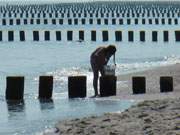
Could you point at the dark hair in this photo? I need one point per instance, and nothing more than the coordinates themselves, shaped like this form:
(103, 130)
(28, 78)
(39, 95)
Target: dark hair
(111, 49)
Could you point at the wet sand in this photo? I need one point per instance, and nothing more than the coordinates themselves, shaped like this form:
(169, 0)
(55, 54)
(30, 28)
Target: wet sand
(156, 114)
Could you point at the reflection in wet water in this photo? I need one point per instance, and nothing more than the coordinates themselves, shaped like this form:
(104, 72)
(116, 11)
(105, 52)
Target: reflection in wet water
(32, 116)
(16, 113)
(15, 106)
(46, 104)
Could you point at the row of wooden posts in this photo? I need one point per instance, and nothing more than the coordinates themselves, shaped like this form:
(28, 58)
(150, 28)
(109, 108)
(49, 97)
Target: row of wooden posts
(77, 86)
(122, 7)
(106, 36)
(90, 21)
(85, 14)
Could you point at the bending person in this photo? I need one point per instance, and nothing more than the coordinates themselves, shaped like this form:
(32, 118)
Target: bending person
(99, 58)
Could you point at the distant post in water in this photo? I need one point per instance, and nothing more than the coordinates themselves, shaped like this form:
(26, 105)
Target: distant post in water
(108, 85)
(105, 36)
(47, 35)
(118, 36)
(130, 36)
(10, 35)
(166, 84)
(81, 35)
(69, 35)
(77, 86)
(1, 36)
(139, 85)
(22, 35)
(93, 35)
(35, 35)
(14, 88)
(45, 87)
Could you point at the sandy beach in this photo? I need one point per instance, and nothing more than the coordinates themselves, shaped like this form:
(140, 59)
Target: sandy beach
(156, 114)
(158, 117)
(124, 83)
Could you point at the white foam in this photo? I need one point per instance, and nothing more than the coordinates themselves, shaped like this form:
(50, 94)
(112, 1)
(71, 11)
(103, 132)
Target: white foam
(133, 67)
(61, 76)
(50, 131)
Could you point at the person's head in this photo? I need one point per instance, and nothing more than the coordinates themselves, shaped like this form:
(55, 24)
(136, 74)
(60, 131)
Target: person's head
(111, 49)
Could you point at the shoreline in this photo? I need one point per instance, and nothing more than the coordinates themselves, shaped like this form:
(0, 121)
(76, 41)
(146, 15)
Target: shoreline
(124, 83)
(159, 117)
(158, 113)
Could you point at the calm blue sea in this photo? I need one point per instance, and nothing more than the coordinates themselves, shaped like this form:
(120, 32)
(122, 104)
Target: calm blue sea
(61, 60)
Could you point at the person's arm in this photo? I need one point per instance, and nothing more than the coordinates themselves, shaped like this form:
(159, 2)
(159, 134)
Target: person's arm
(106, 60)
(114, 59)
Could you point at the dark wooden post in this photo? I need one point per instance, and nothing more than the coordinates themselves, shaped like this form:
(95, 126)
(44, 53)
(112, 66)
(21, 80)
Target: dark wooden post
(139, 85)
(35, 35)
(77, 86)
(14, 87)
(166, 36)
(58, 35)
(22, 35)
(47, 35)
(10, 35)
(69, 35)
(142, 36)
(108, 85)
(81, 35)
(45, 87)
(154, 36)
(118, 35)
(93, 35)
(177, 36)
(130, 36)
(166, 84)
(105, 36)
(1, 36)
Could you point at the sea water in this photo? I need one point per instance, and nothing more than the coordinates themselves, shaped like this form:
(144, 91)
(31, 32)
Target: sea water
(61, 60)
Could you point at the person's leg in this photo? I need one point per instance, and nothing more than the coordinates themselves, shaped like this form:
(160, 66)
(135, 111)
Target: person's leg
(95, 76)
(95, 81)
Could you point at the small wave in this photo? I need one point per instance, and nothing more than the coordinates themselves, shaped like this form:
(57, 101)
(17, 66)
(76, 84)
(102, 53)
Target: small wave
(61, 75)
(141, 60)
(139, 66)
(50, 131)
(172, 59)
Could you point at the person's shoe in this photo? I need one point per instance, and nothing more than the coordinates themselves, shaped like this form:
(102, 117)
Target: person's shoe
(96, 95)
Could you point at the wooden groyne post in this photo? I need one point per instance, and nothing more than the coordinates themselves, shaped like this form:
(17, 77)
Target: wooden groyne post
(77, 86)
(14, 88)
(138, 85)
(108, 85)
(45, 87)
(166, 84)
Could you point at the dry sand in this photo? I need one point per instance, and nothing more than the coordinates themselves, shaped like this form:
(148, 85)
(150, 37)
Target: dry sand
(159, 114)
(124, 84)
